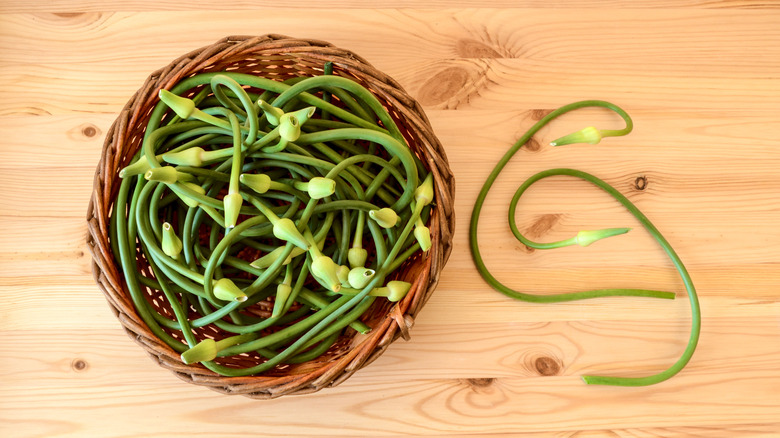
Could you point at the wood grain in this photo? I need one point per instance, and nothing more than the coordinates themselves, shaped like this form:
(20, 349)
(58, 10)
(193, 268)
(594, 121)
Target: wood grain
(700, 79)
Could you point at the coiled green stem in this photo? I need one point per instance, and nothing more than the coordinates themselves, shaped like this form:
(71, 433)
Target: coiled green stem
(590, 135)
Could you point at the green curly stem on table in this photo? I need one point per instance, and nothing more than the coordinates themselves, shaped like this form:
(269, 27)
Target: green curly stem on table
(584, 238)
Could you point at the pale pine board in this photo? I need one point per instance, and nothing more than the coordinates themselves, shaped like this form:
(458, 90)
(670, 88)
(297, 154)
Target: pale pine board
(545, 57)
(69, 6)
(700, 80)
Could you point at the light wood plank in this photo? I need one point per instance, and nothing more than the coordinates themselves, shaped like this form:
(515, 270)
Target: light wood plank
(472, 348)
(429, 407)
(63, 6)
(741, 71)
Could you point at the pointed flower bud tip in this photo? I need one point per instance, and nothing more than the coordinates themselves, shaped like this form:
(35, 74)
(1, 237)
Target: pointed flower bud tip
(139, 167)
(423, 236)
(325, 271)
(585, 238)
(188, 157)
(321, 187)
(165, 174)
(283, 292)
(226, 290)
(304, 114)
(588, 135)
(397, 290)
(183, 177)
(286, 230)
(289, 127)
(232, 202)
(203, 351)
(385, 217)
(182, 106)
(171, 244)
(272, 113)
(423, 195)
(359, 277)
(192, 202)
(343, 274)
(268, 259)
(259, 182)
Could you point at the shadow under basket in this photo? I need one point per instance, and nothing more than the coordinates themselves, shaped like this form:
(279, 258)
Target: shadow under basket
(275, 57)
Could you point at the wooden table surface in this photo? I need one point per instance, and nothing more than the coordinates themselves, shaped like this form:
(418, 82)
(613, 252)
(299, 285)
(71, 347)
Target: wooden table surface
(702, 82)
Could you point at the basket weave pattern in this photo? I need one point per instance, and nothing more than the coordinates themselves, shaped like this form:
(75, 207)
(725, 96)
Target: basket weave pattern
(275, 57)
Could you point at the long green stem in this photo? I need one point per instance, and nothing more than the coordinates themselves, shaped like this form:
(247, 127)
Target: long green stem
(493, 282)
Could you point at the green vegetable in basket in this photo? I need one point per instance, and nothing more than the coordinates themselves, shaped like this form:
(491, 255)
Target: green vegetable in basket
(273, 213)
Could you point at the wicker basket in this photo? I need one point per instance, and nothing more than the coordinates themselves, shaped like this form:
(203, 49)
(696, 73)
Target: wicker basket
(277, 57)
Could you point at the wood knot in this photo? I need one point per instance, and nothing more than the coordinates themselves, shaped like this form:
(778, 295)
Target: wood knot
(483, 386)
(480, 382)
(443, 85)
(533, 145)
(547, 366)
(68, 14)
(79, 365)
(76, 19)
(640, 183)
(543, 224)
(83, 132)
(539, 114)
(468, 48)
(89, 130)
(542, 363)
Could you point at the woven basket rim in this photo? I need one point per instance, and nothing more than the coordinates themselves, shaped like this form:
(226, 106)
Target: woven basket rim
(124, 131)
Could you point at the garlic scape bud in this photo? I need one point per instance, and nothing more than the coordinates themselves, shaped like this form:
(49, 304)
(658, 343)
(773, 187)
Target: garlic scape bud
(268, 259)
(285, 229)
(323, 268)
(208, 348)
(423, 235)
(171, 245)
(139, 167)
(385, 217)
(190, 201)
(359, 277)
(165, 174)
(289, 127)
(283, 291)
(182, 106)
(272, 113)
(304, 114)
(393, 290)
(290, 123)
(317, 187)
(232, 202)
(192, 157)
(397, 290)
(325, 271)
(259, 182)
(588, 135)
(423, 194)
(343, 275)
(203, 351)
(225, 289)
(585, 238)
